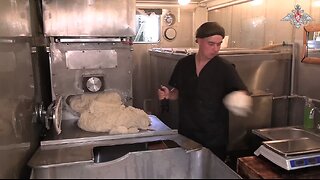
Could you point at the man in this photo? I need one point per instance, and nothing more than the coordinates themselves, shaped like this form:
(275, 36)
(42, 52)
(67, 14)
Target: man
(205, 86)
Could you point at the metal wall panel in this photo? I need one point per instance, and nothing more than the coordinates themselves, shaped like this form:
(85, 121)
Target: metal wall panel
(16, 106)
(15, 18)
(91, 59)
(135, 158)
(264, 72)
(255, 26)
(240, 128)
(107, 18)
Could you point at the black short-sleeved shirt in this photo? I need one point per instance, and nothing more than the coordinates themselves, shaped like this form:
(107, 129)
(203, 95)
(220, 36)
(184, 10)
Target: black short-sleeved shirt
(203, 116)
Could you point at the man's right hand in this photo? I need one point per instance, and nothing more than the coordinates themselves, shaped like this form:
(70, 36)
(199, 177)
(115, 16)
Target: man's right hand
(163, 93)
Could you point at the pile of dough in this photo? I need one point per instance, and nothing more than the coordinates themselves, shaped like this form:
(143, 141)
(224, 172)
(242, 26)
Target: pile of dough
(82, 102)
(105, 113)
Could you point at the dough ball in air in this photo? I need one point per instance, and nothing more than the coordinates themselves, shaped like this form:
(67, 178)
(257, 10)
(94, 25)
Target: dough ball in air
(238, 103)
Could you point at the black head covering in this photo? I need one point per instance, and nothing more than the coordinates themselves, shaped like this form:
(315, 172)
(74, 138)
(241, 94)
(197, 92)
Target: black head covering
(209, 29)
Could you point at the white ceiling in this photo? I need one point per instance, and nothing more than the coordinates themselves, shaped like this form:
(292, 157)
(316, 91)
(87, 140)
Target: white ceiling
(176, 1)
(168, 1)
(207, 3)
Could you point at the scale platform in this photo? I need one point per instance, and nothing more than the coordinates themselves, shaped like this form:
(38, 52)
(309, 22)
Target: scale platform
(291, 154)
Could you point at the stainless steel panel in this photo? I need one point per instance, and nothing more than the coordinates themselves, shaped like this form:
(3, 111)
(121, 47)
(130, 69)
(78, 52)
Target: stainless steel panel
(255, 26)
(15, 18)
(141, 75)
(67, 81)
(107, 18)
(282, 133)
(17, 134)
(91, 59)
(280, 112)
(71, 133)
(240, 127)
(13, 160)
(294, 146)
(77, 161)
(171, 163)
(7, 62)
(264, 72)
(162, 66)
(296, 112)
(306, 80)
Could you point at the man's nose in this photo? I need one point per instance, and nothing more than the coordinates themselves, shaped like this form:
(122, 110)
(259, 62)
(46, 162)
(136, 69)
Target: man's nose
(216, 47)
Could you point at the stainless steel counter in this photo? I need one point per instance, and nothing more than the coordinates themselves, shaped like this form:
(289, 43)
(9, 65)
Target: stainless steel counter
(71, 133)
(161, 153)
(224, 51)
(77, 160)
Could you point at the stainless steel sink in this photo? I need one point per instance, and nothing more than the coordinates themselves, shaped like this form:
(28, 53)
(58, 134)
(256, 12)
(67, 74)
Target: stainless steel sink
(109, 153)
(283, 133)
(143, 163)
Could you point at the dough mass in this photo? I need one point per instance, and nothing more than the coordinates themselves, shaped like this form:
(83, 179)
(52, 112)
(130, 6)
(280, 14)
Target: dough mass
(105, 112)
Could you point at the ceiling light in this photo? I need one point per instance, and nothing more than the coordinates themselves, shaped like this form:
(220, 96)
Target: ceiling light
(184, 2)
(316, 4)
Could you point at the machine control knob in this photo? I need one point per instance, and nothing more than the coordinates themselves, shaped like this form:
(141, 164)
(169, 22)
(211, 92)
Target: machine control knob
(94, 84)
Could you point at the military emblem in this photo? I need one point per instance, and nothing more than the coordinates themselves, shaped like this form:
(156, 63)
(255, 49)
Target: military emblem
(297, 17)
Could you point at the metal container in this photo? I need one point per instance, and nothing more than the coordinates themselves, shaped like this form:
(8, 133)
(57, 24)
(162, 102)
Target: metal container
(162, 153)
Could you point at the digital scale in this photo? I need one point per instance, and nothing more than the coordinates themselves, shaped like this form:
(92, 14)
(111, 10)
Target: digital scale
(291, 154)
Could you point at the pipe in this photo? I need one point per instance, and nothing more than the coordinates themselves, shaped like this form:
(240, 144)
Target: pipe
(296, 96)
(293, 68)
(163, 2)
(204, 1)
(227, 4)
(160, 5)
(154, 4)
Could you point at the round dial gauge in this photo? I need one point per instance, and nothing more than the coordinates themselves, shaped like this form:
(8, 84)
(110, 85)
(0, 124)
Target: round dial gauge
(94, 84)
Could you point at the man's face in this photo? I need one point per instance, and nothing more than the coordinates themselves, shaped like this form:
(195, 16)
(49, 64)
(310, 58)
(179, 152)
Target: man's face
(210, 46)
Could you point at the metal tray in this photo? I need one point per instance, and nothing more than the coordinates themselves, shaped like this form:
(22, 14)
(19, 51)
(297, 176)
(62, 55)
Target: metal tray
(71, 133)
(292, 147)
(282, 133)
